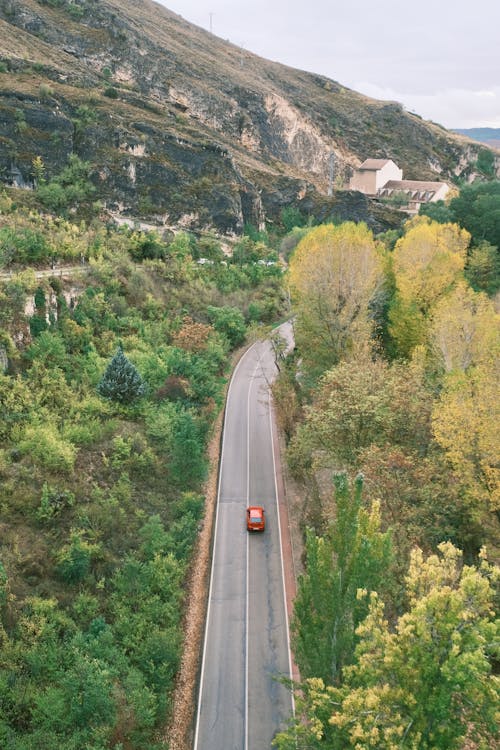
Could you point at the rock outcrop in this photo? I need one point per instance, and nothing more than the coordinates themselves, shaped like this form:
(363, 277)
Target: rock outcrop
(182, 126)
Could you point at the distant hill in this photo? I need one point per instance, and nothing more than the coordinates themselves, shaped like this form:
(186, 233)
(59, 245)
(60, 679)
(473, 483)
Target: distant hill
(181, 125)
(489, 136)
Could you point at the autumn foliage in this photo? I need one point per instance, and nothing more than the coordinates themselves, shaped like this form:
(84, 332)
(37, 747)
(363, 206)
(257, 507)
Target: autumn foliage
(334, 274)
(412, 404)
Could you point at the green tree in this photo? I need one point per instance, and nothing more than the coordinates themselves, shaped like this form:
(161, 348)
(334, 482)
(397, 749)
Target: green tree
(477, 209)
(426, 684)
(230, 322)
(483, 268)
(70, 189)
(74, 559)
(361, 403)
(291, 217)
(121, 381)
(352, 554)
(438, 211)
(486, 162)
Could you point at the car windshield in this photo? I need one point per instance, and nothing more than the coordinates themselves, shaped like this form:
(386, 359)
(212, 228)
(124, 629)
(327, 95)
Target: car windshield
(255, 517)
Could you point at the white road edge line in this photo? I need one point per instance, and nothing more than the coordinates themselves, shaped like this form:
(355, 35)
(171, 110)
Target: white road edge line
(281, 549)
(203, 660)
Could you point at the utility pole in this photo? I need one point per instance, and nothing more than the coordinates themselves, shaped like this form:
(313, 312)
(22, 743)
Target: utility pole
(331, 173)
(211, 22)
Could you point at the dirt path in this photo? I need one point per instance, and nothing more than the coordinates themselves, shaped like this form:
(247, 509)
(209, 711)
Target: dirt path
(44, 273)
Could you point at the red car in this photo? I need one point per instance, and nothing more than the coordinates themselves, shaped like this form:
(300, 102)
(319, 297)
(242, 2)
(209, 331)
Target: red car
(256, 519)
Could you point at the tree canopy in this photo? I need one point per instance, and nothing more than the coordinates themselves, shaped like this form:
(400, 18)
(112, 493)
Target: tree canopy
(425, 684)
(334, 274)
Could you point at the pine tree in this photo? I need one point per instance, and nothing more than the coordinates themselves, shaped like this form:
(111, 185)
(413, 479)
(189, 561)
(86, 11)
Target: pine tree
(121, 381)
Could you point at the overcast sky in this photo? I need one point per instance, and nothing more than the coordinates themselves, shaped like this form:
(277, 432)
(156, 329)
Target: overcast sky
(439, 58)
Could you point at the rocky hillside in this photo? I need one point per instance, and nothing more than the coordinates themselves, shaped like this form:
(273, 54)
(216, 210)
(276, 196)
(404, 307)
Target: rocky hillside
(181, 126)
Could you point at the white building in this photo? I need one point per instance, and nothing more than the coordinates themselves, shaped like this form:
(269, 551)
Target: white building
(382, 178)
(417, 191)
(373, 174)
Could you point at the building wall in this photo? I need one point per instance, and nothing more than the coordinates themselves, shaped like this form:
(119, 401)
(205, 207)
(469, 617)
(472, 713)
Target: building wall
(440, 194)
(370, 180)
(389, 171)
(364, 180)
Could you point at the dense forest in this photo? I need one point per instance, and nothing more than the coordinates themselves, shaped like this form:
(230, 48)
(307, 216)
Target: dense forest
(112, 375)
(390, 407)
(115, 348)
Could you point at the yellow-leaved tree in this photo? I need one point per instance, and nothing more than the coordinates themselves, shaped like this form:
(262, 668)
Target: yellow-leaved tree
(425, 684)
(427, 261)
(334, 274)
(465, 423)
(465, 329)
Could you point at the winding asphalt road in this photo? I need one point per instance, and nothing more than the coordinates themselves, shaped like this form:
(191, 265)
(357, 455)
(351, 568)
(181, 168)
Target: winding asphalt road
(241, 704)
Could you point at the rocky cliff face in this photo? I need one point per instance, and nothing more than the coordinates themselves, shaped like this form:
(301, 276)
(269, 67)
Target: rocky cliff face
(182, 126)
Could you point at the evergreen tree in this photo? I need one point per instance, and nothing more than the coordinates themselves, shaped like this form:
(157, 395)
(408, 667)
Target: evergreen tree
(121, 381)
(353, 554)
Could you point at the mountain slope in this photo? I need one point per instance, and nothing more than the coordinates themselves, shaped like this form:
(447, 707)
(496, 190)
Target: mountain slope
(488, 136)
(180, 124)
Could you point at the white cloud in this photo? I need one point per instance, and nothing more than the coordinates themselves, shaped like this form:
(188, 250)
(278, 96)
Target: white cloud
(441, 61)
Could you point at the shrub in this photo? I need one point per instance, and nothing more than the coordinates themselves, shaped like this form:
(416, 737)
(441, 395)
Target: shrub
(86, 433)
(229, 321)
(69, 189)
(74, 559)
(3, 587)
(45, 91)
(22, 246)
(47, 448)
(52, 502)
(291, 217)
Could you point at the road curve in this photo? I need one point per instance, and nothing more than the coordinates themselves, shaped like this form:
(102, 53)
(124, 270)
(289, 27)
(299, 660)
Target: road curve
(241, 705)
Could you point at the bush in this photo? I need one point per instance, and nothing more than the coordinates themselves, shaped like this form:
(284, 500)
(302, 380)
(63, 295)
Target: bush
(70, 189)
(45, 91)
(291, 217)
(53, 501)
(47, 448)
(87, 432)
(3, 587)
(228, 321)
(22, 246)
(74, 559)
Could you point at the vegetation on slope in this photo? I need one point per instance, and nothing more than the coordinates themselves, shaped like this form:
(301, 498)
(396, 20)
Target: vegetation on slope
(115, 374)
